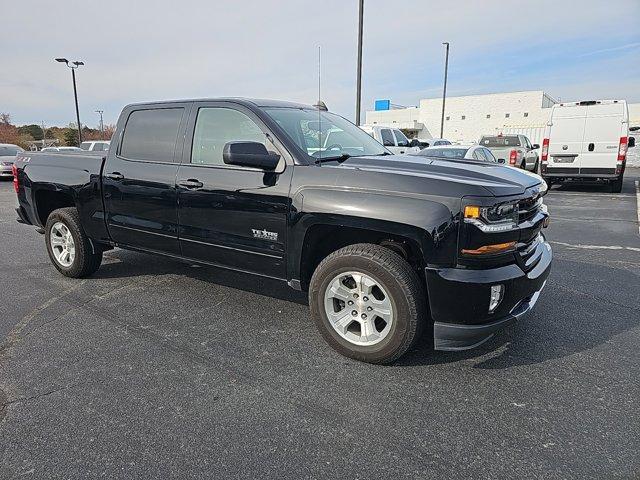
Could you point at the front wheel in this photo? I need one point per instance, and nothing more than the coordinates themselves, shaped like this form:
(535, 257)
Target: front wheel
(368, 303)
(69, 248)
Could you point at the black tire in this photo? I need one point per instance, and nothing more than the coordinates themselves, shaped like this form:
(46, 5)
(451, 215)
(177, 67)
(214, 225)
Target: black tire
(86, 262)
(536, 167)
(404, 288)
(523, 165)
(616, 185)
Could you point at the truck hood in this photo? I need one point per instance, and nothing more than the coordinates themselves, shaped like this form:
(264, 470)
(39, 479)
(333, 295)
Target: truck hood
(497, 180)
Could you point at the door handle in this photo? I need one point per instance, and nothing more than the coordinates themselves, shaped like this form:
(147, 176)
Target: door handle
(592, 147)
(114, 176)
(191, 183)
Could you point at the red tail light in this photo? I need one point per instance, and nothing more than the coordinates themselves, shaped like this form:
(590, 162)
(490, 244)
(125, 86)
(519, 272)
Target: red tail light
(16, 183)
(513, 156)
(622, 149)
(545, 150)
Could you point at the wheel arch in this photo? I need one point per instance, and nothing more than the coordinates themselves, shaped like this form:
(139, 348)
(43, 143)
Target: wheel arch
(325, 237)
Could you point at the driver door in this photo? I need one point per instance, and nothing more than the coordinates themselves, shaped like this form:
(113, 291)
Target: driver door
(230, 215)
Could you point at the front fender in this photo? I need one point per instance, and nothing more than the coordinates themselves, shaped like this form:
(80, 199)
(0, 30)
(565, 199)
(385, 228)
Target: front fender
(429, 224)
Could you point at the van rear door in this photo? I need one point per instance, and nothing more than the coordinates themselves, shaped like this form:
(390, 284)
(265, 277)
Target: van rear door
(566, 138)
(601, 138)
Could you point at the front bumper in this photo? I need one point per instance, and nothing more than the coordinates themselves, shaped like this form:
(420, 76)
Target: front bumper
(459, 300)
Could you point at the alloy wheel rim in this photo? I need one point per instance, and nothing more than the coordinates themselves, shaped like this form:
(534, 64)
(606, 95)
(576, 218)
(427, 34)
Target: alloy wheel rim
(62, 244)
(359, 308)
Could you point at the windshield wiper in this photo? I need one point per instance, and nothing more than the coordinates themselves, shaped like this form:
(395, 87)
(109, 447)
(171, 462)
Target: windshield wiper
(377, 154)
(344, 156)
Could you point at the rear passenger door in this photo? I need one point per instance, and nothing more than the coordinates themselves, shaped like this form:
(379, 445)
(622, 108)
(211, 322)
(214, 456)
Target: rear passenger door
(231, 215)
(140, 178)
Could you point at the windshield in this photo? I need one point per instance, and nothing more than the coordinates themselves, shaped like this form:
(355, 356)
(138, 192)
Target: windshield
(455, 153)
(498, 141)
(324, 134)
(9, 150)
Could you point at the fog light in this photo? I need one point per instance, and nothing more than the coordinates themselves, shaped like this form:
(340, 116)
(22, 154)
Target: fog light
(496, 297)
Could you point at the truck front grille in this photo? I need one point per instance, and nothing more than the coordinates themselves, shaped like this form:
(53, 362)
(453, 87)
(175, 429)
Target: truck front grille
(528, 207)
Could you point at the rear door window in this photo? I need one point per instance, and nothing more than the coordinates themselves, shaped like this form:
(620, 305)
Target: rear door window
(500, 141)
(151, 134)
(387, 137)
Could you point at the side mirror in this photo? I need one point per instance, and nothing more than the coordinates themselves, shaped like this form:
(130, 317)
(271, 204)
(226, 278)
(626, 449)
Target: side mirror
(535, 146)
(414, 142)
(632, 142)
(249, 154)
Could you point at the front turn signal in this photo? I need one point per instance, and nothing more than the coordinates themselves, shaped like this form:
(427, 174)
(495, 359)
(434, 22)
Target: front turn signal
(471, 211)
(491, 249)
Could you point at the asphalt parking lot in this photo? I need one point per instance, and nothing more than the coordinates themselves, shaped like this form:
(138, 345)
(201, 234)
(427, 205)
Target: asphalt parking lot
(157, 369)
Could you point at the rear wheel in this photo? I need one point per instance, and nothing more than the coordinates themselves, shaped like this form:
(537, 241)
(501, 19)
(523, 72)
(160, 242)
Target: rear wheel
(616, 185)
(69, 248)
(367, 303)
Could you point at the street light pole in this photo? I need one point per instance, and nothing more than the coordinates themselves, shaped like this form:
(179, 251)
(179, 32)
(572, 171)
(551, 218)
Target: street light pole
(359, 74)
(100, 112)
(444, 90)
(73, 66)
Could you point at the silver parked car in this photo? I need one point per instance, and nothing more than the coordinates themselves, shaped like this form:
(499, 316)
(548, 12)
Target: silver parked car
(459, 152)
(8, 153)
(513, 150)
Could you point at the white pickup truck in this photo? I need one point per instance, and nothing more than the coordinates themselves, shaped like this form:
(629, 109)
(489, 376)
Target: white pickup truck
(392, 138)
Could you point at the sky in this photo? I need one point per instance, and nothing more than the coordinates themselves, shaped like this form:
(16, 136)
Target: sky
(138, 51)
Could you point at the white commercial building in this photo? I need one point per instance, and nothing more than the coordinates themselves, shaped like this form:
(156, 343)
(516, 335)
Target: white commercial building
(469, 117)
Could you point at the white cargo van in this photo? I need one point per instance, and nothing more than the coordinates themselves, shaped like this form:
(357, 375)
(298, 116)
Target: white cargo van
(587, 141)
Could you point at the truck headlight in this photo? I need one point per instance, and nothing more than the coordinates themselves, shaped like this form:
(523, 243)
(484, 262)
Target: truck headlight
(498, 218)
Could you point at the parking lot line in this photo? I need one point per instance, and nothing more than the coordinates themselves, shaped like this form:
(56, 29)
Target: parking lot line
(596, 247)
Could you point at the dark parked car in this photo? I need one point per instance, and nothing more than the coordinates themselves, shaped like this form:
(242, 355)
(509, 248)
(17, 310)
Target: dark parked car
(384, 245)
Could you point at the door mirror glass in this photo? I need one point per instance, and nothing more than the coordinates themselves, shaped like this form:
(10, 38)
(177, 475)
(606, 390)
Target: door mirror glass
(535, 146)
(249, 154)
(414, 142)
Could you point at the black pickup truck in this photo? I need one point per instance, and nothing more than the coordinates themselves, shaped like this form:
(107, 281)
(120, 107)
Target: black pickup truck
(386, 245)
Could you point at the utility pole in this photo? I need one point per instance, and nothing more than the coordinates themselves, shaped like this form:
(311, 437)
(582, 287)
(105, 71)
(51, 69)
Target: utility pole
(44, 135)
(359, 73)
(444, 90)
(73, 66)
(100, 112)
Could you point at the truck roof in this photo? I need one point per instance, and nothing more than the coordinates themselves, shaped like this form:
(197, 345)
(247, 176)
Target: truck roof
(256, 102)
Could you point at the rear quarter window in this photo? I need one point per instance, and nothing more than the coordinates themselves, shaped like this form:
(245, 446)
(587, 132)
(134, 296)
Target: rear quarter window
(151, 134)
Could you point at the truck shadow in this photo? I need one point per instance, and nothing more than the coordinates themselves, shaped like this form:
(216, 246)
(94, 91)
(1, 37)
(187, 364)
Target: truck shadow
(124, 263)
(573, 315)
